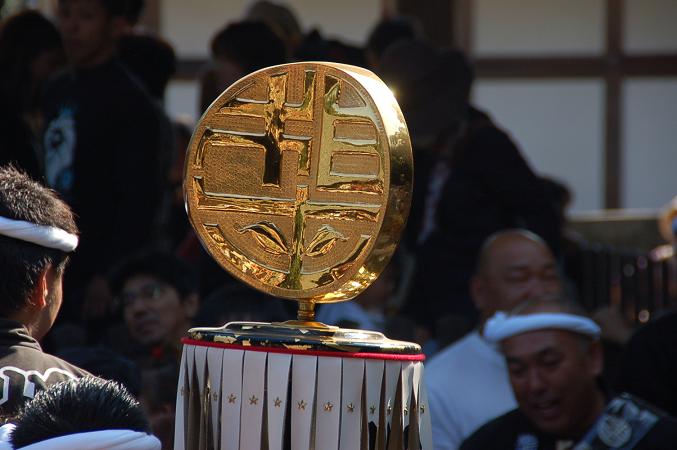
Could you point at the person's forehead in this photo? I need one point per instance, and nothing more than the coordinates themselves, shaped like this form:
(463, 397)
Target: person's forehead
(520, 253)
(533, 343)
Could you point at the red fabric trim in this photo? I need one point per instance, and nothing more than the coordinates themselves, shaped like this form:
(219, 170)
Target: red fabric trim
(387, 356)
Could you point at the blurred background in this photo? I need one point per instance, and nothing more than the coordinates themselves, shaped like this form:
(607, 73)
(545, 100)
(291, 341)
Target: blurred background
(587, 89)
(607, 69)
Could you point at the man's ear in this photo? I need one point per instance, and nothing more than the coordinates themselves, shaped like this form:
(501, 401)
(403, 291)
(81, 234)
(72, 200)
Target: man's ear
(38, 298)
(190, 304)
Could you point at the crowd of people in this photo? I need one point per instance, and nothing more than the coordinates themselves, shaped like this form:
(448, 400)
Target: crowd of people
(90, 160)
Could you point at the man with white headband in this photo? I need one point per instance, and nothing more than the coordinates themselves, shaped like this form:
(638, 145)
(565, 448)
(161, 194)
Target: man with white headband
(84, 414)
(554, 360)
(37, 233)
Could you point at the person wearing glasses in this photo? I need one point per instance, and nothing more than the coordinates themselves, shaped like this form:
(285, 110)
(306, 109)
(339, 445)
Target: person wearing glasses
(158, 295)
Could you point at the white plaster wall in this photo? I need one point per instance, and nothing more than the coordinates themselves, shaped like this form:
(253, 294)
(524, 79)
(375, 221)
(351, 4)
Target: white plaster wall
(651, 26)
(649, 162)
(558, 126)
(530, 27)
(181, 100)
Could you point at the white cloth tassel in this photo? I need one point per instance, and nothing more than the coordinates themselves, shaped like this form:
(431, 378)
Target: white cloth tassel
(328, 407)
(351, 403)
(253, 388)
(407, 385)
(225, 396)
(200, 366)
(393, 370)
(374, 370)
(181, 405)
(277, 387)
(194, 411)
(231, 389)
(424, 420)
(201, 371)
(417, 380)
(214, 366)
(303, 398)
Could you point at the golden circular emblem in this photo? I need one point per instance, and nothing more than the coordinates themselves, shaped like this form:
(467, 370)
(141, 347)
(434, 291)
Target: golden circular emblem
(298, 180)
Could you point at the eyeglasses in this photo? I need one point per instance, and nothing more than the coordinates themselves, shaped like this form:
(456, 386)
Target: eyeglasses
(150, 291)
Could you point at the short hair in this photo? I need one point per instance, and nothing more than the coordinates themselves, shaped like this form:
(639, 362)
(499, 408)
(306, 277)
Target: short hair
(21, 262)
(250, 45)
(77, 406)
(164, 266)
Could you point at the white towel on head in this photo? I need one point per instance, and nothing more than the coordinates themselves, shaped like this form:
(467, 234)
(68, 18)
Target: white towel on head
(91, 440)
(46, 236)
(502, 326)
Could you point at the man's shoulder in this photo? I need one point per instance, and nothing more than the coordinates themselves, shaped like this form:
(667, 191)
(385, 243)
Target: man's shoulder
(29, 361)
(456, 354)
(26, 370)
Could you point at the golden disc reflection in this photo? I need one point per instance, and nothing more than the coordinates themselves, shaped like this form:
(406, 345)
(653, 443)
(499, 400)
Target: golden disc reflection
(298, 180)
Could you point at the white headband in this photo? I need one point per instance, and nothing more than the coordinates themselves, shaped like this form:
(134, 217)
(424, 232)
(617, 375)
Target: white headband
(502, 326)
(91, 440)
(50, 237)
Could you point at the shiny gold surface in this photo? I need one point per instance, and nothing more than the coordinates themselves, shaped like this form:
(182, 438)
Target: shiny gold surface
(298, 180)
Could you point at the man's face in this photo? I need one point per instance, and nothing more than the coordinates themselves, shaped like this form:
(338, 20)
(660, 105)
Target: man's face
(553, 374)
(517, 269)
(88, 31)
(154, 311)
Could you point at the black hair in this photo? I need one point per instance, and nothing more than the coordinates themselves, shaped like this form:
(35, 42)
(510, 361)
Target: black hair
(164, 266)
(22, 263)
(76, 406)
(250, 45)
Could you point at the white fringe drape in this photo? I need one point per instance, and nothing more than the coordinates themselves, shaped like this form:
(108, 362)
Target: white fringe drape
(230, 399)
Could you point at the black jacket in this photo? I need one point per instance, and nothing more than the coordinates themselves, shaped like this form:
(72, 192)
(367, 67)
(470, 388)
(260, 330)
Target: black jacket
(513, 430)
(24, 368)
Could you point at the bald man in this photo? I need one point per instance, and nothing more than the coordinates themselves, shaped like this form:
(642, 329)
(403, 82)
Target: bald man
(468, 381)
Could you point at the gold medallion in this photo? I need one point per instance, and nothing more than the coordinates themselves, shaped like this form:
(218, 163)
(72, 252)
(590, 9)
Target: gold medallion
(298, 180)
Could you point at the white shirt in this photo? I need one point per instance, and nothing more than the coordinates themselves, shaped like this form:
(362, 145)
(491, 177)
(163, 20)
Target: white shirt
(468, 385)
